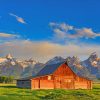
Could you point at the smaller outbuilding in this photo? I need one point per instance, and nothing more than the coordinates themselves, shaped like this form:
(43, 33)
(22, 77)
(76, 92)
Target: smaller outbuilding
(55, 76)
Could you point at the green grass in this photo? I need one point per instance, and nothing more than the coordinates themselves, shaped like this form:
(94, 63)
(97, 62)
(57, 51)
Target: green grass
(11, 92)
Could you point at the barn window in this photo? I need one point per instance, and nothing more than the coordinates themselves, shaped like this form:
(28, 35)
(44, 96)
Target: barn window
(49, 77)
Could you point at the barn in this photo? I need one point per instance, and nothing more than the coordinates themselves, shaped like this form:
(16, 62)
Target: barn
(55, 76)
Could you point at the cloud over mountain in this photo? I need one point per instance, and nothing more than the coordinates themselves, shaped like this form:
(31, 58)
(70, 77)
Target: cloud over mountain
(44, 50)
(65, 31)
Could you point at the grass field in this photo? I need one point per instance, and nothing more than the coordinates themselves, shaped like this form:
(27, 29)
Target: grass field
(10, 92)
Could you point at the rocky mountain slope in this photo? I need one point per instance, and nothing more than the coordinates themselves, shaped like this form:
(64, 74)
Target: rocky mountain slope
(55, 60)
(93, 65)
(9, 66)
(89, 68)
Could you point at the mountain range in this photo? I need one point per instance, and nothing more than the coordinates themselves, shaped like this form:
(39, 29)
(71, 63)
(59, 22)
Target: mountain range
(10, 66)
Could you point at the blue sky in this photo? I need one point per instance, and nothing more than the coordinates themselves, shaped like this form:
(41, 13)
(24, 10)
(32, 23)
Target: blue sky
(49, 24)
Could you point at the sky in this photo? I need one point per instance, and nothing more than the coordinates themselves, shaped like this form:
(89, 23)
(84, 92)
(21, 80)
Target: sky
(42, 29)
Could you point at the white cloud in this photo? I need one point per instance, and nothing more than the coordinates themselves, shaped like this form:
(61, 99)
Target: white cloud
(71, 32)
(7, 35)
(62, 26)
(65, 27)
(44, 50)
(86, 32)
(59, 34)
(19, 19)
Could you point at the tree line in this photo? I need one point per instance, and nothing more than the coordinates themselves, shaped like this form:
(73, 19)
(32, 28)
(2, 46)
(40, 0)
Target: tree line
(6, 79)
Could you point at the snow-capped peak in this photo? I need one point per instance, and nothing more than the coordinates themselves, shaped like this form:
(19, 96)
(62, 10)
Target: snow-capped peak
(9, 56)
(93, 57)
(31, 61)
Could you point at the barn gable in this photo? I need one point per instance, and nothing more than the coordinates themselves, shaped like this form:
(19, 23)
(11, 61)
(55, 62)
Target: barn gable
(64, 69)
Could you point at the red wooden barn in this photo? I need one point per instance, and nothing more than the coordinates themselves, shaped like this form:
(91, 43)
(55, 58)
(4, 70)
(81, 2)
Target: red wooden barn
(54, 77)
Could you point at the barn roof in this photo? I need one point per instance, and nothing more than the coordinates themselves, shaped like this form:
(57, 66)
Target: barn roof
(47, 70)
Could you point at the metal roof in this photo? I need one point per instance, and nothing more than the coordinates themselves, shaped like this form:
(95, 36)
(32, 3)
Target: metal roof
(49, 69)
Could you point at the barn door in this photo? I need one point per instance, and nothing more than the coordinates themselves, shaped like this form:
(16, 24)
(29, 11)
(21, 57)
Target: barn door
(57, 83)
(67, 84)
(64, 83)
